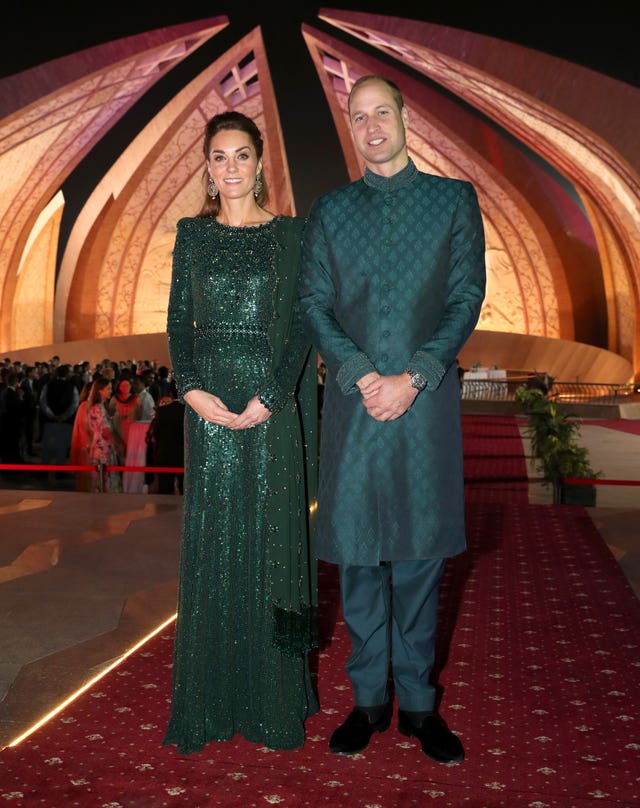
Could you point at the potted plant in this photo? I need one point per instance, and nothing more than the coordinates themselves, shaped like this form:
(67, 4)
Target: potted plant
(553, 433)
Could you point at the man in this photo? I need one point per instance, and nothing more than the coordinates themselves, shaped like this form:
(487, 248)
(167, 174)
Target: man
(11, 415)
(160, 387)
(30, 406)
(392, 282)
(140, 387)
(59, 401)
(167, 437)
(5, 370)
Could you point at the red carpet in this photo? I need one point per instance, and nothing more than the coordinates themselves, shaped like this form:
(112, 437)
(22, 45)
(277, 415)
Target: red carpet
(495, 469)
(538, 658)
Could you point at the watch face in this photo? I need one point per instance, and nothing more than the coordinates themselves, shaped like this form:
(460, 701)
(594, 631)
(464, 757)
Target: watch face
(418, 381)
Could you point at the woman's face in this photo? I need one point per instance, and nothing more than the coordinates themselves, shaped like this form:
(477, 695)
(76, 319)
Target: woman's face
(124, 388)
(233, 164)
(106, 391)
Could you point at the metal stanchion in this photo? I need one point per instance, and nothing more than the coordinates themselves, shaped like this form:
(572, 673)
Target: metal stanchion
(101, 468)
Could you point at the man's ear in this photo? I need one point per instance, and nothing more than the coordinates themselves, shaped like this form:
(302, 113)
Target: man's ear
(404, 114)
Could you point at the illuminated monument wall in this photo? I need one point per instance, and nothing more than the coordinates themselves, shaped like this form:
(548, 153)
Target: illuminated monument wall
(551, 148)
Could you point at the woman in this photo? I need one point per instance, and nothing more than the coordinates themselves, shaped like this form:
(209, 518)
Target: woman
(127, 403)
(81, 440)
(242, 364)
(105, 441)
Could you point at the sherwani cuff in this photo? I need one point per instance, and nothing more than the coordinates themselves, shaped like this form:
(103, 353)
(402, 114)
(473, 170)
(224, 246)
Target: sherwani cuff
(353, 369)
(430, 367)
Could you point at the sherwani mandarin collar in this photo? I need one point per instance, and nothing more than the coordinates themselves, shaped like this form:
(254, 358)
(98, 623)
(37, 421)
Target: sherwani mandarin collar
(393, 183)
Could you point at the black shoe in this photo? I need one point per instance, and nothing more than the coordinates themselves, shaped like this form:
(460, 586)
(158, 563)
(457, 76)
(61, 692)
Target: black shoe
(438, 742)
(354, 735)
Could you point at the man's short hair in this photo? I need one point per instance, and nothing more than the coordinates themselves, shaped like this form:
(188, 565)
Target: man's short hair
(395, 90)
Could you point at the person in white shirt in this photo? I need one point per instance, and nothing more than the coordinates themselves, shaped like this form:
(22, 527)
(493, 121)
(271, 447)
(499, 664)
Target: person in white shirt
(146, 399)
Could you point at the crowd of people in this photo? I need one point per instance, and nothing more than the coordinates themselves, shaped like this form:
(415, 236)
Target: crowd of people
(56, 413)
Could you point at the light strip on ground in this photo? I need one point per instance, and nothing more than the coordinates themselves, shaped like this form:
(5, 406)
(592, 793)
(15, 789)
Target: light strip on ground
(91, 682)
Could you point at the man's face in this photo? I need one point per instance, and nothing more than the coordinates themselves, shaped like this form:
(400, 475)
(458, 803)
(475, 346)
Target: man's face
(378, 128)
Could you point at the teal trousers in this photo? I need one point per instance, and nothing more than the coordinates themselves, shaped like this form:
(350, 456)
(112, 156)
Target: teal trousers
(391, 613)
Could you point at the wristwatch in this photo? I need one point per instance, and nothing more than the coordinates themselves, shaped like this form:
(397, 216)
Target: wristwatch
(418, 380)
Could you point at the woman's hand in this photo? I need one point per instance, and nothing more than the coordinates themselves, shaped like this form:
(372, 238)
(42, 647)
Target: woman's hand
(210, 407)
(253, 414)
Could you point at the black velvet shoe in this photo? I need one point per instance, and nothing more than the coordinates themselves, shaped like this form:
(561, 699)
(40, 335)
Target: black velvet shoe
(354, 735)
(438, 742)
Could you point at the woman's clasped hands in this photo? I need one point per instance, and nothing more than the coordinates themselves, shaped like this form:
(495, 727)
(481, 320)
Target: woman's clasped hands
(214, 410)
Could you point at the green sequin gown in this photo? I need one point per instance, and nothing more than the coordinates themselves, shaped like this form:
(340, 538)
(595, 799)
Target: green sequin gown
(247, 590)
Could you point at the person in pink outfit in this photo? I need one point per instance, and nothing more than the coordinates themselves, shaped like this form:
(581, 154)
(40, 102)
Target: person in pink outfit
(128, 406)
(106, 445)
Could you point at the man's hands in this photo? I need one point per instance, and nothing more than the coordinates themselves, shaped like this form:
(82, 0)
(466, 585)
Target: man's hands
(386, 398)
(214, 410)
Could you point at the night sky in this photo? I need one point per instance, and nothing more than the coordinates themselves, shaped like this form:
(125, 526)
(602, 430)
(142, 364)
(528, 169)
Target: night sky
(600, 35)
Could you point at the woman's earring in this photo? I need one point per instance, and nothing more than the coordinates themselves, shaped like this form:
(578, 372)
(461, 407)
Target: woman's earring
(258, 185)
(212, 189)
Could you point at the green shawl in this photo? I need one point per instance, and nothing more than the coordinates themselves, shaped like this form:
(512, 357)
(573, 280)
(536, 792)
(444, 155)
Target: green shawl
(292, 468)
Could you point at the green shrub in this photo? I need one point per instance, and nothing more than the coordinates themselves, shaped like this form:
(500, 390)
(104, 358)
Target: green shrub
(553, 433)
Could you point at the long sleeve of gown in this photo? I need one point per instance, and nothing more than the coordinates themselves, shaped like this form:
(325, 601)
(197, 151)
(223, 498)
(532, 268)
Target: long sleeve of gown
(180, 316)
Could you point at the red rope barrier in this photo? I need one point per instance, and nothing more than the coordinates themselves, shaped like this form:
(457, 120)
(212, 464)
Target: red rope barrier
(60, 467)
(180, 470)
(173, 469)
(43, 467)
(597, 481)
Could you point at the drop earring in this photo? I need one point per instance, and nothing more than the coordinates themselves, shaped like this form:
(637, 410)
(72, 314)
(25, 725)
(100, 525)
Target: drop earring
(257, 186)
(212, 189)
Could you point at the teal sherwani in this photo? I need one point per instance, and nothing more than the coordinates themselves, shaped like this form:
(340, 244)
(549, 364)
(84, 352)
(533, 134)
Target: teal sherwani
(392, 276)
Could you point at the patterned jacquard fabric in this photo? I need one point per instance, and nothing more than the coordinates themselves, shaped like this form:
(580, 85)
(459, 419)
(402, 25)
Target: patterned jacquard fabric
(392, 276)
